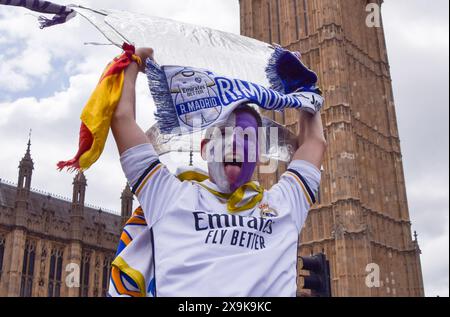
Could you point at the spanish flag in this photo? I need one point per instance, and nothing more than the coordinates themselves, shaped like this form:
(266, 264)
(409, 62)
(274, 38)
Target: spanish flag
(97, 113)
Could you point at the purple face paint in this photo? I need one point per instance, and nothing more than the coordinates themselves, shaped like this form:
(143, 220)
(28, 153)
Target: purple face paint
(246, 120)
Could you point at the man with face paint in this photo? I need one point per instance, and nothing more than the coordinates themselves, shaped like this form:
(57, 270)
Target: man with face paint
(231, 149)
(219, 234)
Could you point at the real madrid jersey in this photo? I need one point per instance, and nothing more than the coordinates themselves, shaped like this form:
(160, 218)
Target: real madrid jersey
(201, 249)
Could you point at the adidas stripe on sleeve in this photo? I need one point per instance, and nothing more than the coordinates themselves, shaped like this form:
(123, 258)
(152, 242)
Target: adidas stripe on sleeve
(299, 186)
(150, 180)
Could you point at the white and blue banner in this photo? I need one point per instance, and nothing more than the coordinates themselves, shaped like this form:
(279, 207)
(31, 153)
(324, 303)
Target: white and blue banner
(193, 98)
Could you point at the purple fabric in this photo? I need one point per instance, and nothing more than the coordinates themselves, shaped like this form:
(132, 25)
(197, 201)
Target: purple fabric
(245, 119)
(61, 13)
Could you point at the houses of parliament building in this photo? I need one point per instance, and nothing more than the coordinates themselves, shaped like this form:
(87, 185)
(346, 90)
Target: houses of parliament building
(45, 240)
(360, 222)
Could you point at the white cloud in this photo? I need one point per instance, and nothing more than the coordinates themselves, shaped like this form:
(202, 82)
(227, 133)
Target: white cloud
(416, 28)
(10, 80)
(34, 62)
(435, 262)
(417, 40)
(51, 109)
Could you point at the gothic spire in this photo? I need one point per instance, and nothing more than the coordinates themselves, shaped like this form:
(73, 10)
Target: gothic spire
(79, 189)
(127, 203)
(27, 160)
(26, 167)
(28, 145)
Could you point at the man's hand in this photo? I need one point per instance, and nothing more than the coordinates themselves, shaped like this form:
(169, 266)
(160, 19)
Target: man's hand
(311, 141)
(124, 127)
(144, 53)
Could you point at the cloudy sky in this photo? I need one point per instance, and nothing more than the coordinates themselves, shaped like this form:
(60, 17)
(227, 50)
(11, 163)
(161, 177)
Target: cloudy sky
(46, 76)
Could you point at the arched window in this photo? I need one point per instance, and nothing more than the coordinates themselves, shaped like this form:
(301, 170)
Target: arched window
(55, 272)
(2, 252)
(84, 278)
(106, 275)
(26, 285)
(319, 197)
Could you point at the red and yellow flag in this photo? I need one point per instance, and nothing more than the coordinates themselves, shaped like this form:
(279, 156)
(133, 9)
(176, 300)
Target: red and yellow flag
(97, 113)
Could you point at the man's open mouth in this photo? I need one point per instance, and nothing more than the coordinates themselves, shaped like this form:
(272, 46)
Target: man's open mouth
(234, 163)
(232, 170)
(233, 160)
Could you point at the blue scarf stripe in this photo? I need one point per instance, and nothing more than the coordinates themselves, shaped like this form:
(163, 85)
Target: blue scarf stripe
(185, 96)
(165, 111)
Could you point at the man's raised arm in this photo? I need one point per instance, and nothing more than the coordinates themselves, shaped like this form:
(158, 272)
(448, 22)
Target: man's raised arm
(124, 127)
(312, 143)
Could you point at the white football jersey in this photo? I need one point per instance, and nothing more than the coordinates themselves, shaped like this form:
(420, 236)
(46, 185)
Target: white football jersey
(201, 249)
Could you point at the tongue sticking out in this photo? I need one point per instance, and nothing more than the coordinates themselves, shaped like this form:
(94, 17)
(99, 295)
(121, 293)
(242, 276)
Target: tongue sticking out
(232, 172)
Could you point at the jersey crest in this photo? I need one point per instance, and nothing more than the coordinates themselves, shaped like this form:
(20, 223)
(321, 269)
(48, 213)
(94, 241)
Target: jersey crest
(267, 212)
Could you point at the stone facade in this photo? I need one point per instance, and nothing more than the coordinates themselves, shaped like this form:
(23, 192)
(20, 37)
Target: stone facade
(48, 244)
(362, 216)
